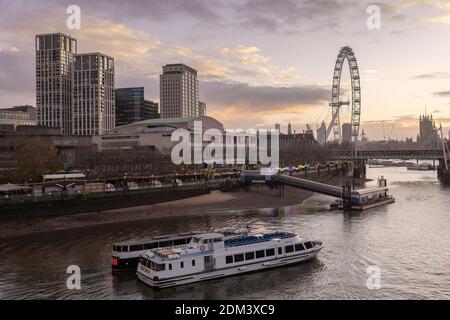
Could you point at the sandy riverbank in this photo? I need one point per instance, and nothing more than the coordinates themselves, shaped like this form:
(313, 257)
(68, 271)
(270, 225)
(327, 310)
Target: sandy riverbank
(256, 197)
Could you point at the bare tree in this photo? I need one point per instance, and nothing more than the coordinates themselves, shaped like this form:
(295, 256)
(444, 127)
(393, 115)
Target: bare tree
(35, 158)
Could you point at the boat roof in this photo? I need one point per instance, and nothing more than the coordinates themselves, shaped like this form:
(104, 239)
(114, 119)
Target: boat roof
(156, 239)
(211, 235)
(246, 240)
(64, 176)
(369, 190)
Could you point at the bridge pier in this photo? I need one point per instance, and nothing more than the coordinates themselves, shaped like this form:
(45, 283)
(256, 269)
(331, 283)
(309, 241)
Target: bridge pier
(443, 174)
(359, 169)
(347, 197)
(278, 190)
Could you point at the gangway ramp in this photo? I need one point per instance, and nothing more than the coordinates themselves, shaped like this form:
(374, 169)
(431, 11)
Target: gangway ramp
(329, 190)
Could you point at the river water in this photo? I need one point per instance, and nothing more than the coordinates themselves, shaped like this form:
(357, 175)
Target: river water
(407, 244)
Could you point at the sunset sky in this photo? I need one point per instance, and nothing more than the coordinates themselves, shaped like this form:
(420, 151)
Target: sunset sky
(259, 62)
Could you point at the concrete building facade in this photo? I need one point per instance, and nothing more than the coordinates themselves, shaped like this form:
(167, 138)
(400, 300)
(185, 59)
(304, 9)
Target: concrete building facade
(179, 92)
(154, 132)
(18, 116)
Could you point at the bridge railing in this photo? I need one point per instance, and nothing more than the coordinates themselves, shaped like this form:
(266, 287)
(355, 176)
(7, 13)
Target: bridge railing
(309, 185)
(434, 154)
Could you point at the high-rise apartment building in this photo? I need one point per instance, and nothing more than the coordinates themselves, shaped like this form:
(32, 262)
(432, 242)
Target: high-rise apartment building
(54, 61)
(322, 133)
(346, 132)
(131, 106)
(179, 91)
(93, 98)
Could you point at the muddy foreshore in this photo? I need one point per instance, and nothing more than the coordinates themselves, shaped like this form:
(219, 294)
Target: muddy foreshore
(254, 197)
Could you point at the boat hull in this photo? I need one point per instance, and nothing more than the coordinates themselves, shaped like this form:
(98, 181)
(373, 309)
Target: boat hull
(226, 272)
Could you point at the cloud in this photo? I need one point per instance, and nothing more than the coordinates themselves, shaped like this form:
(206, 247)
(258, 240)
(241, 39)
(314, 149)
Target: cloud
(442, 94)
(289, 16)
(440, 19)
(225, 72)
(433, 75)
(240, 104)
(262, 98)
(17, 71)
(16, 78)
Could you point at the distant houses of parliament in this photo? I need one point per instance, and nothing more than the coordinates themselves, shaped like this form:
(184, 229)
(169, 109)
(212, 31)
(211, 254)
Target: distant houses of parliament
(427, 135)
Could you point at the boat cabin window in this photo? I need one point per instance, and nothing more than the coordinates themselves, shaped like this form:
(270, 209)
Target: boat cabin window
(270, 252)
(229, 259)
(137, 247)
(165, 243)
(155, 266)
(182, 264)
(299, 247)
(179, 242)
(280, 250)
(239, 257)
(260, 254)
(117, 248)
(289, 249)
(308, 245)
(193, 263)
(170, 266)
(124, 248)
(249, 256)
(218, 240)
(196, 240)
(151, 245)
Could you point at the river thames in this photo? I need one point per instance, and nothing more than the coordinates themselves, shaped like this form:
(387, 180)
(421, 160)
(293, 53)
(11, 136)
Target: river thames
(406, 241)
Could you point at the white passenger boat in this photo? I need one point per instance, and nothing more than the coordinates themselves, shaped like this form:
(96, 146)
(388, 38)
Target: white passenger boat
(125, 254)
(211, 255)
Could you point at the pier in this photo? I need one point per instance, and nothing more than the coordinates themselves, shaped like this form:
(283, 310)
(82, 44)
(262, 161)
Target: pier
(360, 200)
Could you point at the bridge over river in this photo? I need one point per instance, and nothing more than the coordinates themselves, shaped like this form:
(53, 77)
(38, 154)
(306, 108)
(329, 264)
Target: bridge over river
(360, 157)
(434, 154)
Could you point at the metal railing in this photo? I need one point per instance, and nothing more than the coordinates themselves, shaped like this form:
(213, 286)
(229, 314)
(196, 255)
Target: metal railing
(309, 185)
